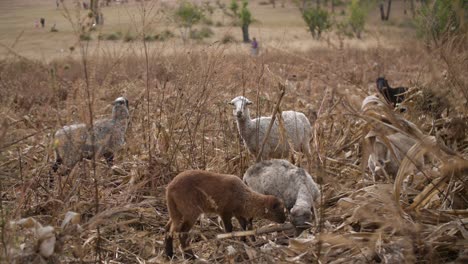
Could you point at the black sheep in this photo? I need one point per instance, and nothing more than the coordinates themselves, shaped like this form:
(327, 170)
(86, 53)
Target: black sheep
(393, 96)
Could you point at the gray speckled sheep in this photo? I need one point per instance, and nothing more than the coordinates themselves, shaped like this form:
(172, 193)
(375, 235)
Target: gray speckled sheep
(381, 157)
(388, 147)
(297, 130)
(293, 185)
(73, 143)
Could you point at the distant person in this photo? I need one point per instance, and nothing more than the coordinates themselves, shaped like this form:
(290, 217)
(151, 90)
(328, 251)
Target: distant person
(254, 47)
(42, 22)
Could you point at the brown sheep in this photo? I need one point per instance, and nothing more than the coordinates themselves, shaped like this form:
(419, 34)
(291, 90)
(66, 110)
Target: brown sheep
(194, 192)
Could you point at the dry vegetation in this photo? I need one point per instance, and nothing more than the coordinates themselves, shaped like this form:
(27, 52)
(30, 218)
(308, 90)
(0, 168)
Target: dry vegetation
(180, 120)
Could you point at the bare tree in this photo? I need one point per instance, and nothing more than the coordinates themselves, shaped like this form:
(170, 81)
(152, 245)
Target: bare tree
(383, 16)
(94, 6)
(273, 3)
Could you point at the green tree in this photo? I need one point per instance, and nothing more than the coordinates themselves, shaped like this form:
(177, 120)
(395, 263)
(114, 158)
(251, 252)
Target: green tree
(357, 17)
(439, 19)
(244, 16)
(317, 20)
(187, 15)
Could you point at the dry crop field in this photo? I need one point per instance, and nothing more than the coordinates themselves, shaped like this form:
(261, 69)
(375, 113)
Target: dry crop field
(180, 119)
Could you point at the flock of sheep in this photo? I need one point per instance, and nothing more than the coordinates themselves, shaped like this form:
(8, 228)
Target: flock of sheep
(270, 189)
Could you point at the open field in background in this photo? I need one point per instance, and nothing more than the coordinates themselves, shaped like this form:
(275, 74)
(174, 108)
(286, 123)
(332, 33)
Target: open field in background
(185, 123)
(276, 28)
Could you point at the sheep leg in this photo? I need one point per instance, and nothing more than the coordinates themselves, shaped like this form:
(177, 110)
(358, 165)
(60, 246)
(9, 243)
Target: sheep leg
(58, 162)
(184, 237)
(246, 225)
(109, 156)
(227, 223)
(168, 240)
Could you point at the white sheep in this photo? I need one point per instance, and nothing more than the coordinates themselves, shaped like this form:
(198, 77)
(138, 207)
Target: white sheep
(297, 131)
(73, 143)
(292, 184)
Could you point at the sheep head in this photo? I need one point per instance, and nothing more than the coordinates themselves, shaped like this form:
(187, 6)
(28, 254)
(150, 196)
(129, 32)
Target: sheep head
(274, 210)
(120, 109)
(240, 106)
(300, 216)
(382, 83)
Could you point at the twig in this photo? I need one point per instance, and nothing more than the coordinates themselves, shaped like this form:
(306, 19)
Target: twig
(260, 231)
(273, 118)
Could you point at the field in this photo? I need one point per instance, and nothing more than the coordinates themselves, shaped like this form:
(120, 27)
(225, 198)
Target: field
(180, 119)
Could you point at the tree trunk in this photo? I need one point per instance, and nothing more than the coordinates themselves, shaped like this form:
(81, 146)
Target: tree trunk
(245, 33)
(94, 6)
(304, 3)
(333, 6)
(413, 13)
(382, 12)
(388, 9)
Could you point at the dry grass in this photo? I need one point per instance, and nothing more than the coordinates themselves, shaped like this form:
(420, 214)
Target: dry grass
(188, 124)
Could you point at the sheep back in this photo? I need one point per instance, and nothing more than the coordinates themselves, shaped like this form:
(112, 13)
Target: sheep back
(298, 133)
(197, 191)
(283, 180)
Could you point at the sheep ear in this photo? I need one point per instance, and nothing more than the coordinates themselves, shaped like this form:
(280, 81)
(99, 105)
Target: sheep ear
(231, 103)
(248, 102)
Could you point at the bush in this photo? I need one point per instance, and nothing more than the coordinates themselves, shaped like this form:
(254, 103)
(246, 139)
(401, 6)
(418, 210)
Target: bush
(207, 21)
(204, 32)
(129, 37)
(85, 37)
(227, 39)
(318, 21)
(149, 38)
(114, 36)
(218, 24)
(166, 34)
(436, 21)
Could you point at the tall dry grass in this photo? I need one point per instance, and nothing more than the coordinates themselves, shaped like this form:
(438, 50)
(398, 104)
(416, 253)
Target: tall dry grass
(180, 120)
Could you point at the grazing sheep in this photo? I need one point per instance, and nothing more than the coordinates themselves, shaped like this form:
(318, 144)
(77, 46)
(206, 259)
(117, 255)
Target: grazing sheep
(387, 146)
(291, 184)
(393, 96)
(297, 131)
(73, 143)
(194, 192)
(381, 159)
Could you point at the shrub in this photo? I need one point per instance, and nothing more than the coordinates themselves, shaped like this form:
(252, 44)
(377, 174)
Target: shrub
(436, 21)
(166, 34)
(129, 37)
(85, 37)
(218, 24)
(318, 21)
(227, 38)
(150, 38)
(114, 36)
(204, 32)
(207, 21)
